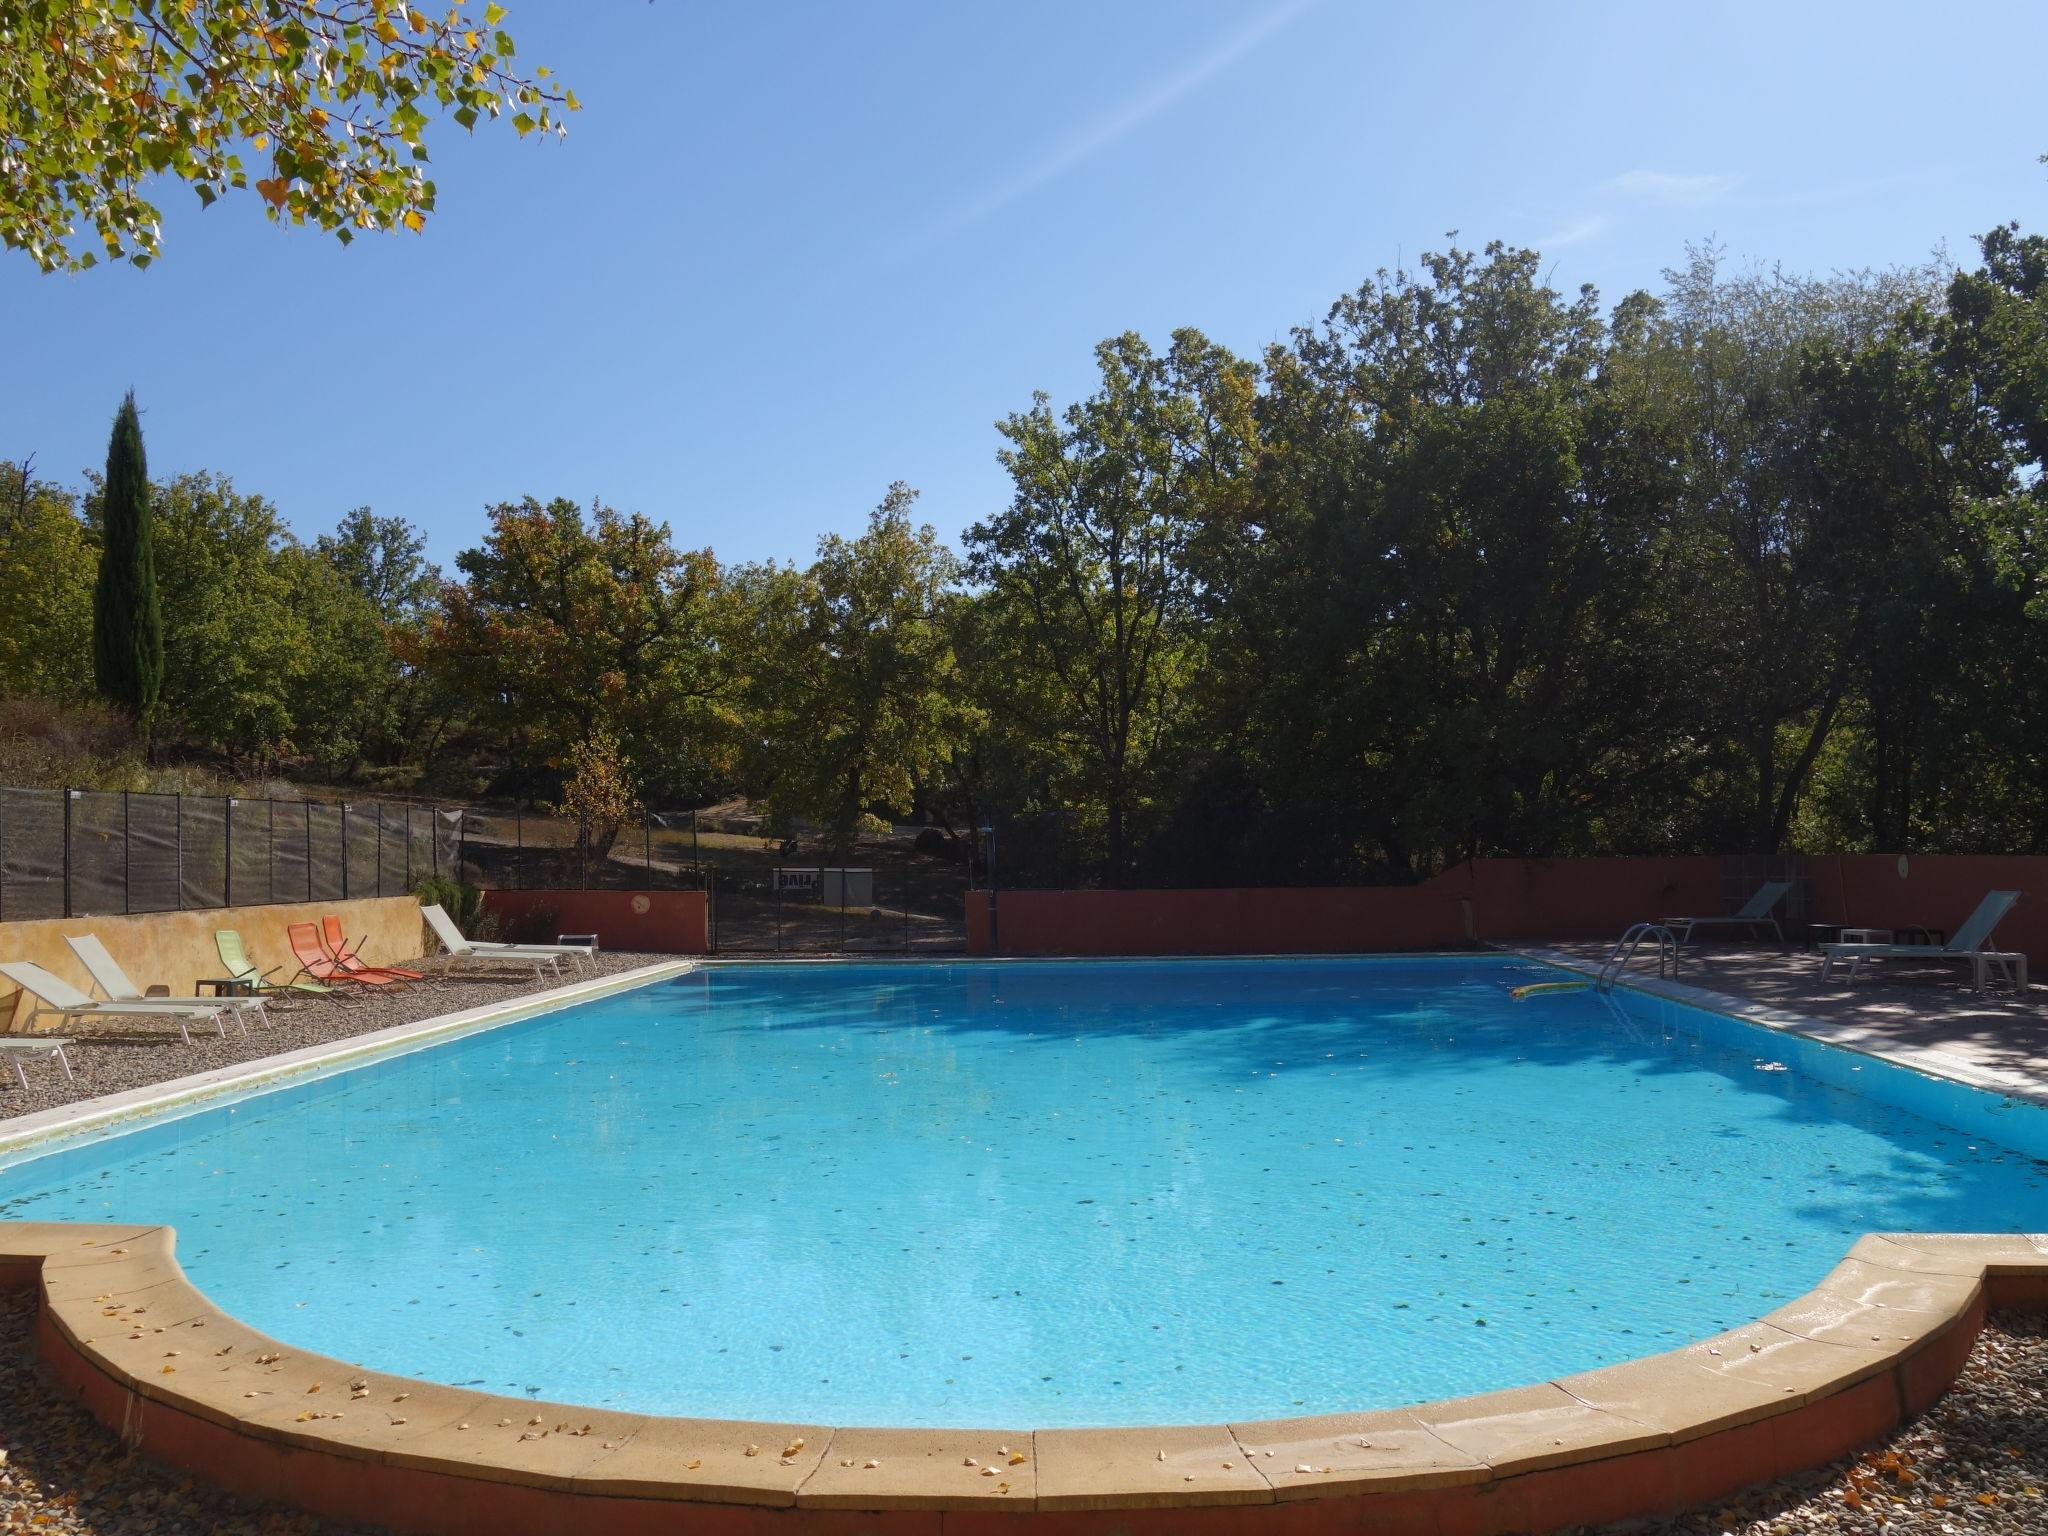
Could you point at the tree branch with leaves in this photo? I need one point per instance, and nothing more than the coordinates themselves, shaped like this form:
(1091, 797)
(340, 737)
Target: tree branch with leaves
(331, 97)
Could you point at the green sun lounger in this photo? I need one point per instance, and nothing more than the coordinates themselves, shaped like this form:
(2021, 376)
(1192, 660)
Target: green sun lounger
(236, 959)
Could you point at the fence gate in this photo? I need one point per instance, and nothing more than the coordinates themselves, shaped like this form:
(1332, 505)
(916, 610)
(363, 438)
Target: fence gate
(886, 897)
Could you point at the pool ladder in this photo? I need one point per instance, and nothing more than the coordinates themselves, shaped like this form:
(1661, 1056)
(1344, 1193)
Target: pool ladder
(1625, 950)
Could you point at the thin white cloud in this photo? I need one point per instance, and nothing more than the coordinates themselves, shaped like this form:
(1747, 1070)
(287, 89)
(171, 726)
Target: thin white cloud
(1119, 122)
(1662, 189)
(1578, 232)
(1670, 189)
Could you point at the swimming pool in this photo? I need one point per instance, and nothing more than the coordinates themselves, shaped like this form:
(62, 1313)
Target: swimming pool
(1053, 1193)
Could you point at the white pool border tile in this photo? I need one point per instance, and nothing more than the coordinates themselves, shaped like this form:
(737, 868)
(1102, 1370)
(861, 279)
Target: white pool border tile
(34, 1134)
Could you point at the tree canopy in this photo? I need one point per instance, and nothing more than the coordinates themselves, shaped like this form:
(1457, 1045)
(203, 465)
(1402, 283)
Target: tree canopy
(329, 100)
(1753, 562)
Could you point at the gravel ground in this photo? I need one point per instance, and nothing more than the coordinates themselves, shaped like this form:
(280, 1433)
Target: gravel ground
(1976, 1465)
(1977, 1462)
(62, 1474)
(145, 1051)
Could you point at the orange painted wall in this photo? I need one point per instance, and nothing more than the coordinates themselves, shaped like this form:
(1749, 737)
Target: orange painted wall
(658, 922)
(1588, 898)
(1229, 922)
(1881, 890)
(177, 950)
(1509, 899)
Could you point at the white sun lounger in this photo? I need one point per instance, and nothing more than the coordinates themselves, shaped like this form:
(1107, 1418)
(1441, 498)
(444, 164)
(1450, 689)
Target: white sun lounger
(14, 1052)
(63, 1000)
(1753, 914)
(108, 977)
(460, 948)
(1969, 944)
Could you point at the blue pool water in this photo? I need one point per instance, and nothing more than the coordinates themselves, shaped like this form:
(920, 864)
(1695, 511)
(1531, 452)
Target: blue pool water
(1045, 1194)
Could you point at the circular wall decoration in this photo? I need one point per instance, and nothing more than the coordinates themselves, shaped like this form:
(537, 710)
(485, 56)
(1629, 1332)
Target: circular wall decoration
(641, 904)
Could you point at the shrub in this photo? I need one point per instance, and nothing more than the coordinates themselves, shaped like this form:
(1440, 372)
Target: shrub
(463, 903)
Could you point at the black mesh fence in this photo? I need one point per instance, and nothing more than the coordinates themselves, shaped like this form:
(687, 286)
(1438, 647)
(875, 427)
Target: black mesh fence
(202, 852)
(31, 853)
(324, 861)
(78, 853)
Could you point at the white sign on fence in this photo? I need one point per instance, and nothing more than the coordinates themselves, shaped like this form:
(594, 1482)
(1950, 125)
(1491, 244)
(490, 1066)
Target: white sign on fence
(832, 887)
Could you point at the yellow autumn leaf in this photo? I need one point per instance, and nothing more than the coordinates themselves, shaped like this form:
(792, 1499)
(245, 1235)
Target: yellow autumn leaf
(413, 221)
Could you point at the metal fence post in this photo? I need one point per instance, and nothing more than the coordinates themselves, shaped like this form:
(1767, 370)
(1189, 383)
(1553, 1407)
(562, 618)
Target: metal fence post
(270, 853)
(647, 847)
(69, 796)
(178, 847)
(696, 857)
(380, 847)
(127, 857)
(309, 850)
(519, 850)
(988, 842)
(344, 850)
(227, 838)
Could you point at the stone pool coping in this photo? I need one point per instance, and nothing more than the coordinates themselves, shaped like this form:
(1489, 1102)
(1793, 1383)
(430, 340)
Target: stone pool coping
(32, 1134)
(121, 1328)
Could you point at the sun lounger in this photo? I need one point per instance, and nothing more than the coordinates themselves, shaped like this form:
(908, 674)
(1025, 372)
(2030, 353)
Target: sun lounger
(235, 958)
(334, 940)
(460, 948)
(1753, 914)
(14, 1052)
(110, 979)
(62, 1000)
(1969, 944)
(314, 962)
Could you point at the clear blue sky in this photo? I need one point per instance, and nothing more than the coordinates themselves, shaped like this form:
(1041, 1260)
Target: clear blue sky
(792, 252)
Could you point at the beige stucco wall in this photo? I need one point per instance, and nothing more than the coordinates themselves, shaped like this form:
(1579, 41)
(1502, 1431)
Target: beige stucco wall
(176, 948)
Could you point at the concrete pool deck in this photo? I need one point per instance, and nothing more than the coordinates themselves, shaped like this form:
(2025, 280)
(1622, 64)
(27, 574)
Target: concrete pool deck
(1919, 1015)
(120, 1328)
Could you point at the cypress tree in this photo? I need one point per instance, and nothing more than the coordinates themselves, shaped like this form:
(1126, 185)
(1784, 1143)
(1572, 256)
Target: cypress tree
(127, 630)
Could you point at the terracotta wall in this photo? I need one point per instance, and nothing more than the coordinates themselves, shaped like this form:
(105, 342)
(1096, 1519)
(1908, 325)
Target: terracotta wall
(1230, 922)
(1510, 899)
(1933, 890)
(1588, 898)
(176, 948)
(659, 922)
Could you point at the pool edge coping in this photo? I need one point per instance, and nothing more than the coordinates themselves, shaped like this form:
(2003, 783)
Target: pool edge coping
(1873, 1344)
(1856, 1039)
(34, 1133)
